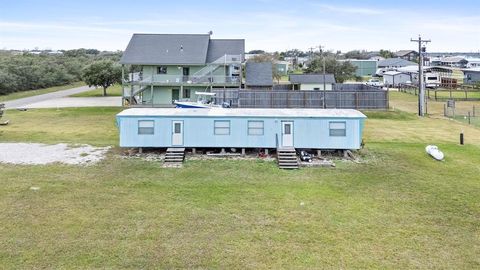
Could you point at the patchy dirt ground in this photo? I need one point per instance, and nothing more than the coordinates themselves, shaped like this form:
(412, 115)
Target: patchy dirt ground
(39, 154)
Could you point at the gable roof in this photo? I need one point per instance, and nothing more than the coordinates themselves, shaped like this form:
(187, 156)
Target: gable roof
(311, 78)
(219, 47)
(454, 59)
(395, 62)
(405, 52)
(166, 49)
(258, 74)
(179, 49)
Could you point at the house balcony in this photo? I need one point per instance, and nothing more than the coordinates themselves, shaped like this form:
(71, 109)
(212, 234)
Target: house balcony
(178, 80)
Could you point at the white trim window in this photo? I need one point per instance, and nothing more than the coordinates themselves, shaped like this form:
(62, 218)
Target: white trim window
(221, 127)
(255, 128)
(146, 127)
(338, 129)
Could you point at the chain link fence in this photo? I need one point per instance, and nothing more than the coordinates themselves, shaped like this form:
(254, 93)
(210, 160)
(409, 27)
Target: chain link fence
(468, 115)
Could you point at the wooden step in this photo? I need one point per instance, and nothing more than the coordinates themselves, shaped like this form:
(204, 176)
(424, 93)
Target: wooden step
(287, 158)
(174, 157)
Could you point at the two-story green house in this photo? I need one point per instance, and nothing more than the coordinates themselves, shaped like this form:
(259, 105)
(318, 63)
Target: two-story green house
(159, 69)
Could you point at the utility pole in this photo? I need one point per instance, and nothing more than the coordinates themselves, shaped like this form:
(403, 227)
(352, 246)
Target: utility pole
(421, 84)
(320, 48)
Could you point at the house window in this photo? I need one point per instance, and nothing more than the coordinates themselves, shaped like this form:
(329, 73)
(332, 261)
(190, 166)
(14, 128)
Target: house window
(222, 127)
(162, 70)
(146, 127)
(186, 93)
(255, 128)
(338, 129)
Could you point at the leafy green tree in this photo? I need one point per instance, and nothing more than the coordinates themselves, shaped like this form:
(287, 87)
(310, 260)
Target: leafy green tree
(342, 70)
(102, 73)
(386, 54)
(356, 54)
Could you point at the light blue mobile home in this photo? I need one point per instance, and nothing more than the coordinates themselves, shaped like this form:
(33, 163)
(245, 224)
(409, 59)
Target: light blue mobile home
(241, 128)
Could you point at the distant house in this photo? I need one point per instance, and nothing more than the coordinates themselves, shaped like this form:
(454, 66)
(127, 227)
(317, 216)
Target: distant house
(392, 64)
(454, 61)
(259, 75)
(409, 55)
(473, 62)
(472, 76)
(364, 67)
(169, 67)
(395, 78)
(376, 58)
(313, 82)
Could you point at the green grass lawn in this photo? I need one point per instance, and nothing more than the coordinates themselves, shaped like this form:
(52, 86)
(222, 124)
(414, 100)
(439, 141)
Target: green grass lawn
(29, 93)
(398, 210)
(114, 90)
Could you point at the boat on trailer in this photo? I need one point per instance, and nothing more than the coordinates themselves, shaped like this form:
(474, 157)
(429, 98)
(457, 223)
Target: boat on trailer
(204, 100)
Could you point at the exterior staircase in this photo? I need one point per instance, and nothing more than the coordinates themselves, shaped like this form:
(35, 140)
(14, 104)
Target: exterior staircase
(287, 158)
(174, 157)
(223, 60)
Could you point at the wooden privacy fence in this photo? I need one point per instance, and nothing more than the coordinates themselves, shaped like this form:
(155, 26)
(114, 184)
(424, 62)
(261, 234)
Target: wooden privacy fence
(343, 99)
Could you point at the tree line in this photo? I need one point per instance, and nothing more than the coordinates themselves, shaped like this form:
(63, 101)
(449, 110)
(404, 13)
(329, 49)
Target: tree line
(21, 72)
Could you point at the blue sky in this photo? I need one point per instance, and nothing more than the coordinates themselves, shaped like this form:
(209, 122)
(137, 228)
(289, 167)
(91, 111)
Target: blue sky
(265, 24)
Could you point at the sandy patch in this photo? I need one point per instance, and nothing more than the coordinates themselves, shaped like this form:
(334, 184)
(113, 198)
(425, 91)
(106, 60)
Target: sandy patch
(39, 154)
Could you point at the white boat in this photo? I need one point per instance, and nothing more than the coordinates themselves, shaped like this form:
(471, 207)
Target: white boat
(433, 151)
(204, 100)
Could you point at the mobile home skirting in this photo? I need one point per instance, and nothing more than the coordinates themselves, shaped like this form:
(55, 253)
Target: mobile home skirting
(241, 128)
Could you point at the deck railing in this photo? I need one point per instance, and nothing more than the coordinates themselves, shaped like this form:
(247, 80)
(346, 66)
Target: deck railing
(138, 78)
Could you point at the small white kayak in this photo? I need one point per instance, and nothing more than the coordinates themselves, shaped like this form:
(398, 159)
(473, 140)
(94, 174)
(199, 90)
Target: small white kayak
(433, 151)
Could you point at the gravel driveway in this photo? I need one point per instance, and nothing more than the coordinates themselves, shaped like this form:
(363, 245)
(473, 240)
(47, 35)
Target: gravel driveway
(38, 154)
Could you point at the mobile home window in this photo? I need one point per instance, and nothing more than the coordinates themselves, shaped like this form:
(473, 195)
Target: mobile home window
(255, 128)
(146, 127)
(338, 129)
(222, 127)
(162, 70)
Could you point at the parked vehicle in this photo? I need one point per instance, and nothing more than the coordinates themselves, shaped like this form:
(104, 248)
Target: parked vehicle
(374, 82)
(432, 80)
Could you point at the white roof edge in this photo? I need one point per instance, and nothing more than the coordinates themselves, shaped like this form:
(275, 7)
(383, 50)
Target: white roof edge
(219, 112)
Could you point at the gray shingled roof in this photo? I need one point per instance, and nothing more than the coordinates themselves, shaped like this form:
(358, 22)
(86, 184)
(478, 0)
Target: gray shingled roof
(178, 49)
(258, 74)
(311, 78)
(166, 49)
(395, 62)
(404, 52)
(219, 47)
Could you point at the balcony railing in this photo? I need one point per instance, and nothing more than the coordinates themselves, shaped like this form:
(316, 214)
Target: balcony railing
(138, 78)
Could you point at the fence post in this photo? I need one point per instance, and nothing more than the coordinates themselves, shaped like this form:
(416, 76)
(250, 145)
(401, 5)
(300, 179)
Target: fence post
(469, 118)
(445, 110)
(435, 95)
(356, 100)
(473, 109)
(388, 100)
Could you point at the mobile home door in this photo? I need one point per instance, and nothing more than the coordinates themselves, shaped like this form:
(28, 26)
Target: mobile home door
(287, 134)
(177, 133)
